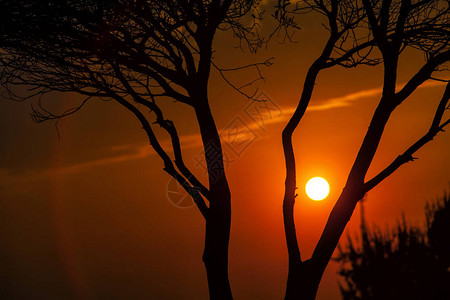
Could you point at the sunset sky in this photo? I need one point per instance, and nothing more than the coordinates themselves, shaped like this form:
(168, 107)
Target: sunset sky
(92, 215)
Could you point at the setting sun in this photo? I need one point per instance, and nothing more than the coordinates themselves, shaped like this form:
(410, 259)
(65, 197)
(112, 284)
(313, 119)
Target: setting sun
(317, 188)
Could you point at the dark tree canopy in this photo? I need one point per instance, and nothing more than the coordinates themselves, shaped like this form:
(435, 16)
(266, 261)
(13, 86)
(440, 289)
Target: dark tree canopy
(404, 262)
(162, 48)
(137, 53)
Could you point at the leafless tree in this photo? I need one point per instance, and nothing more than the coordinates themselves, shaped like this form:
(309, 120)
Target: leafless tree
(138, 53)
(367, 32)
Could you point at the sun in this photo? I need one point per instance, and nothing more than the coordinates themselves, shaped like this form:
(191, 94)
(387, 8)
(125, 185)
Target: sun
(317, 188)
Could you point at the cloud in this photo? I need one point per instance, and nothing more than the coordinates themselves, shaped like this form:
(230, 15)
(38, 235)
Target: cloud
(344, 101)
(348, 99)
(134, 152)
(137, 153)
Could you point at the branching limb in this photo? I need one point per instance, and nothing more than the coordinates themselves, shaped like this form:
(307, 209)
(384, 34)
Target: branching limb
(337, 31)
(290, 182)
(239, 89)
(168, 126)
(407, 156)
(423, 74)
(42, 114)
(168, 165)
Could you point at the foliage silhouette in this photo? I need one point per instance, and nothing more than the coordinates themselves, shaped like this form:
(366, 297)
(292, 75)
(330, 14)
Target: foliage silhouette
(403, 262)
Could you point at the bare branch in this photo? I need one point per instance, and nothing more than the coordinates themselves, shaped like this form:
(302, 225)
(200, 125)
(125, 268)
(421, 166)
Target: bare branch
(168, 166)
(407, 156)
(256, 66)
(42, 114)
(423, 74)
(169, 127)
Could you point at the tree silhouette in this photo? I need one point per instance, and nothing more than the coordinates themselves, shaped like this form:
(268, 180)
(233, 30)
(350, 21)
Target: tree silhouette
(403, 262)
(368, 32)
(137, 53)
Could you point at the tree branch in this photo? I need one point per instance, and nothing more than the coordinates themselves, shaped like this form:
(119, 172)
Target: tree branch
(406, 156)
(169, 127)
(168, 166)
(422, 75)
(266, 63)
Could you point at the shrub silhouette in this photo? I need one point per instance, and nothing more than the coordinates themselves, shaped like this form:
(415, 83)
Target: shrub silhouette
(405, 262)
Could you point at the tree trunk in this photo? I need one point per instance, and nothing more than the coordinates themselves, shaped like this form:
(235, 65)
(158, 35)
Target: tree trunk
(304, 277)
(215, 255)
(301, 285)
(218, 218)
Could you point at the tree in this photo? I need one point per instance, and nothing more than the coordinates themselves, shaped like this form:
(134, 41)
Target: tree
(137, 53)
(403, 262)
(370, 33)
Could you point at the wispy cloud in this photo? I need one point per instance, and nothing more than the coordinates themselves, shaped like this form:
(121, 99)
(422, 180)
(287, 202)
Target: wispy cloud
(135, 152)
(344, 101)
(138, 152)
(349, 99)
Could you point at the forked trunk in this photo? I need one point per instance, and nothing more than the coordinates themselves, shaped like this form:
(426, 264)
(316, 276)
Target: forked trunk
(304, 277)
(301, 285)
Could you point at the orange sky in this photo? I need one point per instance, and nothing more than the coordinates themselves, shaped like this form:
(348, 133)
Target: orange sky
(88, 216)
